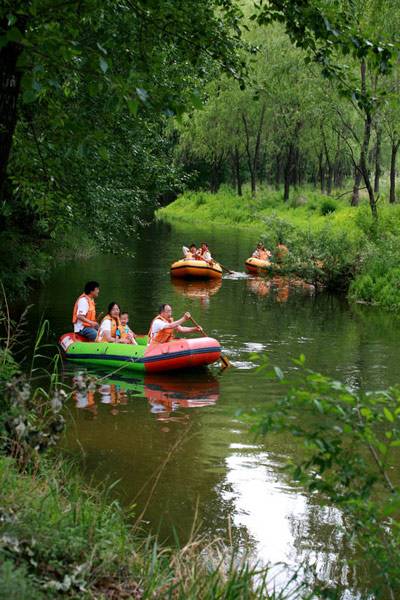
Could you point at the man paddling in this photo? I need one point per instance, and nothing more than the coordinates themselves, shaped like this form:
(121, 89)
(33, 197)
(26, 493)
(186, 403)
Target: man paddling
(84, 313)
(163, 327)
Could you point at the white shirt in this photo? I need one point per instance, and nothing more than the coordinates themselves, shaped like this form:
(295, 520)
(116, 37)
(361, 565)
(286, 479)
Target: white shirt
(158, 325)
(105, 326)
(83, 309)
(207, 255)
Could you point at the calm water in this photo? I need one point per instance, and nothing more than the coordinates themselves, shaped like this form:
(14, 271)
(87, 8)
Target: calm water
(175, 444)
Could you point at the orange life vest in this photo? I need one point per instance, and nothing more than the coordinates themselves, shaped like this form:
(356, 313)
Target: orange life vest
(91, 313)
(263, 254)
(114, 326)
(162, 336)
(122, 332)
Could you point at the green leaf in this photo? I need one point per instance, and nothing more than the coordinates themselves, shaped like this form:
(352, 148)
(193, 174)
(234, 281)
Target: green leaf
(388, 415)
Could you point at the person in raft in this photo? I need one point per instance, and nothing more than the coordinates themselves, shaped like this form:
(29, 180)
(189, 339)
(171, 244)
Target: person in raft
(204, 253)
(84, 313)
(110, 325)
(124, 331)
(190, 253)
(261, 252)
(163, 327)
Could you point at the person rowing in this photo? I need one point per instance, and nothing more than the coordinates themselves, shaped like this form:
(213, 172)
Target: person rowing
(204, 253)
(163, 327)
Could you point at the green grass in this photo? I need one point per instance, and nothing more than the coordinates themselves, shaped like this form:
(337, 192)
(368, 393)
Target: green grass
(59, 536)
(357, 254)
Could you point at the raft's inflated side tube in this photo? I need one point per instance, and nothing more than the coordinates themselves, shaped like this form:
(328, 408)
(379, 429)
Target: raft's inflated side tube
(196, 269)
(177, 354)
(255, 265)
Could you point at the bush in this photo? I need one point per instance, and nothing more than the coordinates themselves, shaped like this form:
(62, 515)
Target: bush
(328, 206)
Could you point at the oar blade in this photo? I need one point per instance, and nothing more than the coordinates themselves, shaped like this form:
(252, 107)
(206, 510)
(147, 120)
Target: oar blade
(225, 361)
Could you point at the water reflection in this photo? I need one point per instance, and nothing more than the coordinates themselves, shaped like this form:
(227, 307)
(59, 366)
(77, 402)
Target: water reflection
(279, 286)
(166, 395)
(198, 290)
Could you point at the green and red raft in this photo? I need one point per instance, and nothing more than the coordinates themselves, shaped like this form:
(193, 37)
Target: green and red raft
(173, 355)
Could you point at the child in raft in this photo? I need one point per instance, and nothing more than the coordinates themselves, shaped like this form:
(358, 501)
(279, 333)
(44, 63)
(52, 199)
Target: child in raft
(124, 332)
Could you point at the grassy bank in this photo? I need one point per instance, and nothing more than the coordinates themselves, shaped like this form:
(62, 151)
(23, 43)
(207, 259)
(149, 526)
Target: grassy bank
(329, 241)
(60, 536)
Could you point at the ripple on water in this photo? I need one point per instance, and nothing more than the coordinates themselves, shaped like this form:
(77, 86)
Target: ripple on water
(235, 276)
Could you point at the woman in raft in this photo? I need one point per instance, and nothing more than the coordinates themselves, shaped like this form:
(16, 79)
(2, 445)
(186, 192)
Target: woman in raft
(111, 330)
(261, 252)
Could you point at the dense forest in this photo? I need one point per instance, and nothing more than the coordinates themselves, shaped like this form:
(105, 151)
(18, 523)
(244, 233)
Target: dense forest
(109, 109)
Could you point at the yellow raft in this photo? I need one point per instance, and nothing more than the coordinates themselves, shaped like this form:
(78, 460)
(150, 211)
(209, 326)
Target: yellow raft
(195, 269)
(256, 265)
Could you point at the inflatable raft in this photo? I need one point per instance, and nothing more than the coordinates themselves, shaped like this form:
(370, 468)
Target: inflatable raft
(196, 269)
(177, 354)
(255, 265)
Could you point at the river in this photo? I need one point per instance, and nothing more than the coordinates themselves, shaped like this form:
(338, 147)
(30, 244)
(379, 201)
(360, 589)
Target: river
(176, 445)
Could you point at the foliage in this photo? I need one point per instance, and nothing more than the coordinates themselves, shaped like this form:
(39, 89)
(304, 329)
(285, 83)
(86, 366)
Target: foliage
(351, 441)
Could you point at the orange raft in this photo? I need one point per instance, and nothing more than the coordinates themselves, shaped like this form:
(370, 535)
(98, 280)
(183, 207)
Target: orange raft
(256, 265)
(176, 354)
(196, 269)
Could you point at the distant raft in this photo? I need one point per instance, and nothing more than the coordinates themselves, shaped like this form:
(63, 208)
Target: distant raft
(196, 269)
(177, 354)
(257, 266)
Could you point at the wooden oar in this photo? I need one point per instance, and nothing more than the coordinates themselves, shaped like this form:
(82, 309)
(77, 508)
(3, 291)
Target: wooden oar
(223, 268)
(224, 359)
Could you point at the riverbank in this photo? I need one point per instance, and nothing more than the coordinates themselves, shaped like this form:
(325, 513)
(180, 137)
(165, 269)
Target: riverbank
(330, 242)
(61, 536)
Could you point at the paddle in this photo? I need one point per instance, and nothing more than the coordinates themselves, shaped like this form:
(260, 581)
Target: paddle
(223, 268)
(224, 359)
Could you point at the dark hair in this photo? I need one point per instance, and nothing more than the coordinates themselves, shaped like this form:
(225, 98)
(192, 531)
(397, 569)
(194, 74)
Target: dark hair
(124, 312)
(204, 244)
(161, 308)
(90, 286)
(192, 245)
(111, 305)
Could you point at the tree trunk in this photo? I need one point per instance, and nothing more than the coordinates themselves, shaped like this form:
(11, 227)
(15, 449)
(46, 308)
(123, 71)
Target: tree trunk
(392, 194)
(377, 160)
(288, 173)
(236, 162)
(10, 80)
(278, 170)
(355, 197)
(321, 173)
(328, 162)
(365, 145)
(253, 157)
(215, 180)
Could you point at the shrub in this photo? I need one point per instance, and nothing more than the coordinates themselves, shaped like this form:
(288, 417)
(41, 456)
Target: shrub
(328, 206)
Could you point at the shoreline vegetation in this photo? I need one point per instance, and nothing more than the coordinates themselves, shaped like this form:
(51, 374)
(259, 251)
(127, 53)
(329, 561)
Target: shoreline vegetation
(340, 247)
(59, 535)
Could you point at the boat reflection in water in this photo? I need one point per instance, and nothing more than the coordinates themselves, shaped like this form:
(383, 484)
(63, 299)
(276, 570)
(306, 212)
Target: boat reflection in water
(280, 286)
(165, 394)
(202, 290)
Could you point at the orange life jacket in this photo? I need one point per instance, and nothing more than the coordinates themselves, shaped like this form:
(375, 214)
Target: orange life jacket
(263, 254)
(122, 332)
(91, 313)
(114, 326)
(162, 336)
